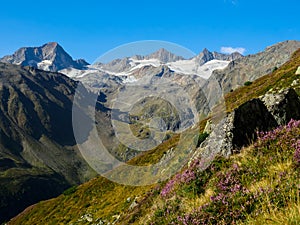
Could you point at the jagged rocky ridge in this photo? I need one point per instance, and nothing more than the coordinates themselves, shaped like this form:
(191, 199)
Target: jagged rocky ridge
(206, 56)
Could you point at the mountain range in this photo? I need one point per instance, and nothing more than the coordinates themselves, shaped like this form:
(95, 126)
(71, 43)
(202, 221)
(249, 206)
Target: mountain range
(39, 158)
(248, 181)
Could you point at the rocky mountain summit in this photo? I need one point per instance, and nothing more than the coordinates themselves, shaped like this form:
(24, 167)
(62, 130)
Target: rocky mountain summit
(206, 56)
(49, 57)
(164, 56)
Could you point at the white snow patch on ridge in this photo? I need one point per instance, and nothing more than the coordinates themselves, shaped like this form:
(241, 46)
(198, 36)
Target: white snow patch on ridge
(191, 67)
(186, 67)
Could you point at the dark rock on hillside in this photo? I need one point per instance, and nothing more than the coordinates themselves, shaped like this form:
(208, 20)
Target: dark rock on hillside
(238, 128)
(248, 118)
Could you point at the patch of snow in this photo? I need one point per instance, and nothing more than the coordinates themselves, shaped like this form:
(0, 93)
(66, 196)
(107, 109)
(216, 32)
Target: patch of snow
(186, 67)
(74, 73)
(129, 79)
(44, 65)
(191, 67)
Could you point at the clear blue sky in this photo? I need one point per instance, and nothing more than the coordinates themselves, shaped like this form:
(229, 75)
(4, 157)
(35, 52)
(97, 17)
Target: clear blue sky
(87, 29)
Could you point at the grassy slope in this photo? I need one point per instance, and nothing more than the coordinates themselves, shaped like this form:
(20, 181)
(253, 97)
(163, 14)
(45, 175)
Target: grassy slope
(263, 179)
(260, 185)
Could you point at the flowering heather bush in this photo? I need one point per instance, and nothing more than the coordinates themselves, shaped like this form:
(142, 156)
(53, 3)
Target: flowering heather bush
(230, 182)
(286, 138)
(194, 174)
(279, 132)
(186, 176)
(297, 152)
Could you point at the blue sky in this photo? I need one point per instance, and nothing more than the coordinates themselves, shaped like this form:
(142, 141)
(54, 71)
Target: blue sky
(87, 29)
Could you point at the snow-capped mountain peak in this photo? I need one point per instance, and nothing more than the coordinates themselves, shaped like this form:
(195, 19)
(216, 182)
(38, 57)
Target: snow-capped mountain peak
(50, 57)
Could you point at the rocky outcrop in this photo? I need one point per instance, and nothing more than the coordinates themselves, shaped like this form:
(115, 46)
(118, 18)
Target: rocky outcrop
(238, 128)
(248, 118)
(283, 106)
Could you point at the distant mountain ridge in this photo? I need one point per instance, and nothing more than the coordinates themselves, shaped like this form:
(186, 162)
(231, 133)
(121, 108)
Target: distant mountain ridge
(52, 57)
(49, 57)
(162, 57)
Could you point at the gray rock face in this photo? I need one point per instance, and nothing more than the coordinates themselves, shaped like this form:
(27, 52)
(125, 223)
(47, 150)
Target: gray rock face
(238, 128)
(283, 106)
(227, 57)
(116, 66)
(49, 57)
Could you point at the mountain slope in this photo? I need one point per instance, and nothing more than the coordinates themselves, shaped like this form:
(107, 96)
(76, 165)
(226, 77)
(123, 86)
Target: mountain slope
(49, 57)
(251, 67)
(259, 185)
(37, 153)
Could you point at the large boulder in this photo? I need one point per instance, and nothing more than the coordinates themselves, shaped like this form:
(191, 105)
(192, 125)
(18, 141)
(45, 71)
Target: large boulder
(238, 128)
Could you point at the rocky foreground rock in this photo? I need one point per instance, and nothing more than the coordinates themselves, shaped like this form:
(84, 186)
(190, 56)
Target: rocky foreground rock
(239, 128)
